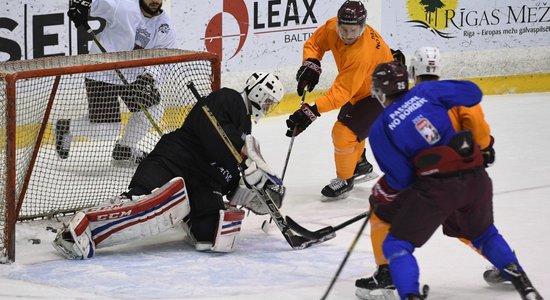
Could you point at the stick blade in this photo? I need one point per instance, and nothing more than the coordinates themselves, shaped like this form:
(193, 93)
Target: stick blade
(316, 235)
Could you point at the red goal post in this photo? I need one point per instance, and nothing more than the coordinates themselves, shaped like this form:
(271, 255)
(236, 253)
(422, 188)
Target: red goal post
(34, 181)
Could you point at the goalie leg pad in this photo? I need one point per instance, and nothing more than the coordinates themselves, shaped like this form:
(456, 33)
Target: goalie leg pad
(75, 240)
(162, 209)
(229, 228)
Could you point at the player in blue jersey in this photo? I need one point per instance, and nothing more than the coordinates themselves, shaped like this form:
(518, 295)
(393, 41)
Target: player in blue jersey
(432, 175)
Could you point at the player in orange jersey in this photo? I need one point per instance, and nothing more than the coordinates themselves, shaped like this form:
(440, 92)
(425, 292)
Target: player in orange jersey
(357, 50)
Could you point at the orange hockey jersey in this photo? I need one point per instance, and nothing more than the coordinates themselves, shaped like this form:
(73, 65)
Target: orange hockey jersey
(355, 63)
(473, 119)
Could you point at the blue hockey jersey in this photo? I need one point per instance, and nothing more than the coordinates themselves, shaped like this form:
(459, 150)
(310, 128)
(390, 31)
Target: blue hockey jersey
(416, 121)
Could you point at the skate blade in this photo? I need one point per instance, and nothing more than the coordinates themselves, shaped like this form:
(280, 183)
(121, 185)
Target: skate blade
(331, 199)
(377, 294)
(364, 178)
(123, 164)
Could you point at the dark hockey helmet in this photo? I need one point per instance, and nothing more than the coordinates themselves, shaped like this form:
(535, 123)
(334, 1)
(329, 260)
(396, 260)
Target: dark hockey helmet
(352, 12)
(389, 79)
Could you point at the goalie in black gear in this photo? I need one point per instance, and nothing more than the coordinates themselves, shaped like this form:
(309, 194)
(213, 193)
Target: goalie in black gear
(194, 165)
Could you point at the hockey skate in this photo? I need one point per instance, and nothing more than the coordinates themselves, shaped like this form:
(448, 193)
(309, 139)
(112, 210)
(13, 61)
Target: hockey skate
(494, 278)
(123, 154)
(63, 138)
(522, 283)
(377, 287)
(363, 171)
(337, 189)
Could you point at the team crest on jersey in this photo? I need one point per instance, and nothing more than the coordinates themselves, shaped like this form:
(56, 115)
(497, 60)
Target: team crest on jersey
(143, 37)
(164, 28)
(428, 131)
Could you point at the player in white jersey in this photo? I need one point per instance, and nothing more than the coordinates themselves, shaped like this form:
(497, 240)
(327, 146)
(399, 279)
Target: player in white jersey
(130, 25)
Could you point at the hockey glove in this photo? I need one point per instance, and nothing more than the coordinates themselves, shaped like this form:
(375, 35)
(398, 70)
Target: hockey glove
(308, 75)
(78, 11)
(256, 171)
(250, 199)
(489, 154)
(382, 193)
(398, 56)
(143, 91)
(301, 119)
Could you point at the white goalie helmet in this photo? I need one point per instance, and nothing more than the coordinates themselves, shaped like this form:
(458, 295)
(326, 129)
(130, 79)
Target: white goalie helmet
(425, 61)
(265, 91)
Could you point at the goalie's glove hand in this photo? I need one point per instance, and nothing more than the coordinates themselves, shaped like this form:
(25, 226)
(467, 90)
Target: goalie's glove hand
(144, 91)
(382, 193)
(489, 154)
(301, 119)
(256, 171)
(78, 11)
(257, 176)
(244, 197)
(308, 75)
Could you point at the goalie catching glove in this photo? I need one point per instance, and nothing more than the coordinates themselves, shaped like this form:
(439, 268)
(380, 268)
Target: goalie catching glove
(257, 176)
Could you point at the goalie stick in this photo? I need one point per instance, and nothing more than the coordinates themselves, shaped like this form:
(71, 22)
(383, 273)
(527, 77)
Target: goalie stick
(265, 224)
(318, 234)
(294, 240)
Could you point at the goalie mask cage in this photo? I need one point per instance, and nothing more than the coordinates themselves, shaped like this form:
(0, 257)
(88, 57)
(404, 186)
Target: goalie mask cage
(34, 94)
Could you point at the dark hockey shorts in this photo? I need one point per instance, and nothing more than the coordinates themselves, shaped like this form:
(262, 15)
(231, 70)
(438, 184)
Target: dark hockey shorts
(462, 203)
(360, 116)
(103, 103)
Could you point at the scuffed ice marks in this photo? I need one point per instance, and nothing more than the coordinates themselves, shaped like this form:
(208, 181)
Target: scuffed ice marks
(261, 263)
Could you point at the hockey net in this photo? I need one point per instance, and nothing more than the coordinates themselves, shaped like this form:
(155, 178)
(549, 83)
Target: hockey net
(34, 94)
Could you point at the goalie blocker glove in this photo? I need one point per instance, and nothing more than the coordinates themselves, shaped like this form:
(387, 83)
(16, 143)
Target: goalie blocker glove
(301, 119)
(78, 11)
(308, 75)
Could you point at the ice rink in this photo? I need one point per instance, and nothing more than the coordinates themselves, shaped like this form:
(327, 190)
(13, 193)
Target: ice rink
(265, 267)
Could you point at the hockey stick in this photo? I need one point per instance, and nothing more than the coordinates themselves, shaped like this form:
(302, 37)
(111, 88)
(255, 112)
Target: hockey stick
(265, 223)
(292, 140)
(122, 78)
(325, 230)
(351, 247)
(294, 240)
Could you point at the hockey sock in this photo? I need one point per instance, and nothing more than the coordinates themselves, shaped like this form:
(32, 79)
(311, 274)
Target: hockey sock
(403, 266)
(100, 131)
(138, 125)
(379, 231)
(493, 246)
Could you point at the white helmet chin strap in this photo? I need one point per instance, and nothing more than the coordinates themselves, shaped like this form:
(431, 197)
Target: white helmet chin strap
(251, 108)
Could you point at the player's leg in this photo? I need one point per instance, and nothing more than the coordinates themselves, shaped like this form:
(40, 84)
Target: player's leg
(211, 226)
(359, 117)
(425, 206)
(101, 123)
(141, 97)
(486, 237)
(380, 284)
(124, 220)
(345, 156)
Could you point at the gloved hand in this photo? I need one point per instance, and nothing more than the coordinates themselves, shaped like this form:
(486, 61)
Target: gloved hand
(301, 119)
(143, 90)
(256, 171)
(78, 11)
(242, 196)
(382, 193)
(489, 154)
(308, 75)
